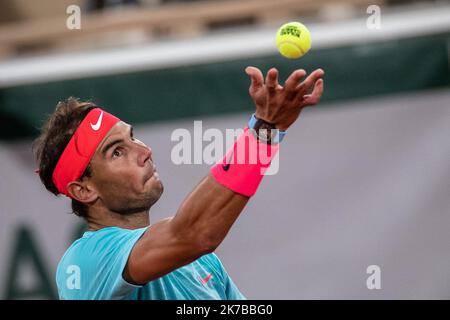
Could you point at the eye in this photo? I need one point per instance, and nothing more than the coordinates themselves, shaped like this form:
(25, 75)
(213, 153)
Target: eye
(117, 153)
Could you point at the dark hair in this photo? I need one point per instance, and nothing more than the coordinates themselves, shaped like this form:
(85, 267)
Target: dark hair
(55, 135)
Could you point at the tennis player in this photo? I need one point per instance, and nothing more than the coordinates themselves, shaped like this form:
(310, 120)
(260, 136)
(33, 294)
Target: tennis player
(92, 157)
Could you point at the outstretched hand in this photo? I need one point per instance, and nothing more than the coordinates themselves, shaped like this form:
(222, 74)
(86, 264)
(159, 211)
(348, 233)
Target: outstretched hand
(282, 105)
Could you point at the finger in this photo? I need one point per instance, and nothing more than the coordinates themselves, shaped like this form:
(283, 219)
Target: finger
(314, 97)
(272, 80)
(293, 80)
(307, 85)
(256, 77)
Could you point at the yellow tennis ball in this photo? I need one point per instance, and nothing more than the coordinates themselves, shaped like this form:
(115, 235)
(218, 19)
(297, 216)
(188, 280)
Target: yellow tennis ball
(293, 40)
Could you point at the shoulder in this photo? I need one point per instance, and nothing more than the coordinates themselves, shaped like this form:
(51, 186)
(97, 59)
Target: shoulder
(101, 242)
(97, 253)
(212, 260)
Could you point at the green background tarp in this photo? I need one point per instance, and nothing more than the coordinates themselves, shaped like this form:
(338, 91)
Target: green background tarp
(214, 88)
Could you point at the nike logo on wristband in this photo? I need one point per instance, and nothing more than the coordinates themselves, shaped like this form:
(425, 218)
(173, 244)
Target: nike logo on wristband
(225, 167)
(96, 126)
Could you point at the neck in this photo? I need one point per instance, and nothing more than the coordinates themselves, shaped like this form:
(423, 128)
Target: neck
(97, 221)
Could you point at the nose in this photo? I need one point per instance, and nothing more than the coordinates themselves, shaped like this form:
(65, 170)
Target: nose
(145, 154)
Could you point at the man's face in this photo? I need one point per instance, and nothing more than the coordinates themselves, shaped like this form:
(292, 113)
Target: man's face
(123, 172)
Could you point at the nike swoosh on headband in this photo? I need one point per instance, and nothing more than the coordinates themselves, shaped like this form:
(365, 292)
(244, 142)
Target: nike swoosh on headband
(96, 126)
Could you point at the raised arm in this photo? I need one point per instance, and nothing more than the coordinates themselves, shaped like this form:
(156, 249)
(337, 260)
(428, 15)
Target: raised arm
(208, 212)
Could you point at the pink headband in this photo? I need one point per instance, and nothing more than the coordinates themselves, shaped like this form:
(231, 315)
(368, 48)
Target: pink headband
(81, 147)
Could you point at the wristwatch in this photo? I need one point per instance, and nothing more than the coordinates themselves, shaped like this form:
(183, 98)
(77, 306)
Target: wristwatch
(265, 131)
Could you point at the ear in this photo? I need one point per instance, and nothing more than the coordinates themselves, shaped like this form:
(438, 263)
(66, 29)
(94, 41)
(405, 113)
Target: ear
(82, 191)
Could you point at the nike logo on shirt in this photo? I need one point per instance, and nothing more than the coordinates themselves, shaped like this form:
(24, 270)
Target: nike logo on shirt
(205, 280)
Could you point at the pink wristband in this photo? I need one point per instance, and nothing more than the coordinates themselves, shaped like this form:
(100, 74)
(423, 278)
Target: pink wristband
(244, 165)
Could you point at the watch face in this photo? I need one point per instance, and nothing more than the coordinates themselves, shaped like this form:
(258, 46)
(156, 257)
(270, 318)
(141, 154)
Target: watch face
(264, 130)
